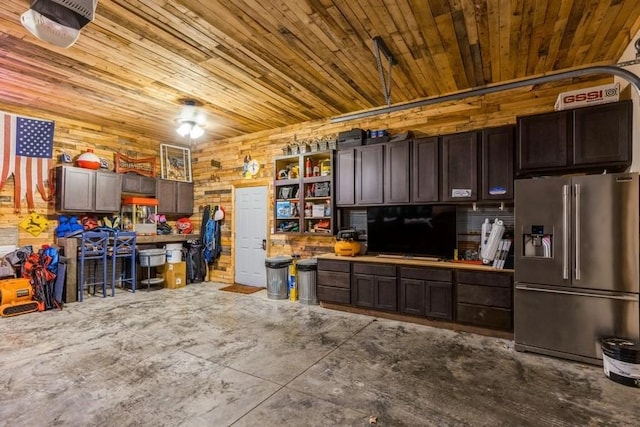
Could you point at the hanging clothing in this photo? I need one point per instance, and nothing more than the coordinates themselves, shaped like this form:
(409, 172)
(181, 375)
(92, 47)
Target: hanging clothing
(212, 237)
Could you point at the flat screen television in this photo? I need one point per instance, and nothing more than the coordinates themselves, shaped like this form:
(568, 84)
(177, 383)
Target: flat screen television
(422, 230)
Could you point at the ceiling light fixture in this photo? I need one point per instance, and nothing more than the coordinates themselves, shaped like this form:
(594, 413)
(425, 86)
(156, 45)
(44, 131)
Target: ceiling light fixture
(190, 122)
(190, 128)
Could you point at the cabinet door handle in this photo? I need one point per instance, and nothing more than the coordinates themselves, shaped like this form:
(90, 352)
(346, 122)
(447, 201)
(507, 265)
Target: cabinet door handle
(264, 244)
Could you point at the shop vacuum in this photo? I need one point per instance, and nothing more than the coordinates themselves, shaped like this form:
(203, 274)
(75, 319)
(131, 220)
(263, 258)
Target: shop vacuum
(16, 297)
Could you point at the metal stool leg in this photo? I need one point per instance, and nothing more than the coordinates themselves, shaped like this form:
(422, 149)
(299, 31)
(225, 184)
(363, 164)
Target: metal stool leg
(132, 266)
(93, 277)
(92, 247)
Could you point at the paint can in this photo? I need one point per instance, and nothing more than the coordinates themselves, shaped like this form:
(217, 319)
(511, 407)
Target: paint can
(174, 252)
(621, 361)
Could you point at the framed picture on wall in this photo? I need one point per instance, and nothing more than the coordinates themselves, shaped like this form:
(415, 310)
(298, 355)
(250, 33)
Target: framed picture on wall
(175, 163)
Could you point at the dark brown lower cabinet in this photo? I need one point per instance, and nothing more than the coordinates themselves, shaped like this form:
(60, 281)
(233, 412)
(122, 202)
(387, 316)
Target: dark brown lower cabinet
(485, 299)
(333, 281)
(426, 292)
(479, 298)
(374, 286)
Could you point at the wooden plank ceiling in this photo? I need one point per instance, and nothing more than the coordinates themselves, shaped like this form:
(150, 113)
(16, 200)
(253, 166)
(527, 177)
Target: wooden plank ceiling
(256, 65)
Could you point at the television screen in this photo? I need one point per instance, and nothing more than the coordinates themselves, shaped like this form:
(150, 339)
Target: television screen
(412, 230)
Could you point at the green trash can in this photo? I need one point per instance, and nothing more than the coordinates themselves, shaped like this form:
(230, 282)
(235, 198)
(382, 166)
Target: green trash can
(307, 271)
(277, 276)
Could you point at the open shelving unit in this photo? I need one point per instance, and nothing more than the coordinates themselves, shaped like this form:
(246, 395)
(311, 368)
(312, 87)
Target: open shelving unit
(303, 194)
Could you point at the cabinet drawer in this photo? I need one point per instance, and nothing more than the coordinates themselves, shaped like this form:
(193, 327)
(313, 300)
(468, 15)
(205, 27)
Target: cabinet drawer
(435, 274)
(334, 278)
(374, 269)
(325, 264)
(485, 278)
(331, 294)
(498, 318)
(492, 296)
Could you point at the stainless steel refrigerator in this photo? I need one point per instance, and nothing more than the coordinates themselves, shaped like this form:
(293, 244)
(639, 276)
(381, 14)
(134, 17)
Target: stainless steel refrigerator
(576, 263)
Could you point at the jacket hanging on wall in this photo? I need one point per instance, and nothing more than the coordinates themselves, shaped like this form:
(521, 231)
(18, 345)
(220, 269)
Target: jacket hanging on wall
(212, 236)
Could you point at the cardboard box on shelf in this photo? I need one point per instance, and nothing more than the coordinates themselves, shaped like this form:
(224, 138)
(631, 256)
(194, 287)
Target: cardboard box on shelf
(175, 274)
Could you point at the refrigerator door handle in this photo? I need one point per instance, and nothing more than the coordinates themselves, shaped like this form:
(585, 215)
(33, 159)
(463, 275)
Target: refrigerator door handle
(577, 231)
(565, 232)
(583, 294)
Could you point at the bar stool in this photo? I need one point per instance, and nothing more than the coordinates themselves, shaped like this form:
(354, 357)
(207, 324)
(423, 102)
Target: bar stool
(152, 258)
(93, 247)
(124, 248)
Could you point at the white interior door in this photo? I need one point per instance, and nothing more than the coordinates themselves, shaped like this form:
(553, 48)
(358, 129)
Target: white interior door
(250, 212)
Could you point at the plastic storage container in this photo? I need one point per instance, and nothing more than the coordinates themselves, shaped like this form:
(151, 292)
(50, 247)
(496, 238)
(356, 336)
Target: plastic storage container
(174, 252)
(621, 361)
(152, 257)
(277, 276)
(307, 271)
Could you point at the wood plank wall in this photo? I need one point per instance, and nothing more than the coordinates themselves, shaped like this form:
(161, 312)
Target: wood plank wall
(215, 186)
(72, 138)
(217, 165)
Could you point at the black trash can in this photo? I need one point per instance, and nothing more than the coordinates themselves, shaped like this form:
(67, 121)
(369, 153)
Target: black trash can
(277, 276)
(621, 360)
(307, 270)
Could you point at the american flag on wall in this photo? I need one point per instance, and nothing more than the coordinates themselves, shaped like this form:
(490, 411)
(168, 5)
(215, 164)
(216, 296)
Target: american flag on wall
(27, 152)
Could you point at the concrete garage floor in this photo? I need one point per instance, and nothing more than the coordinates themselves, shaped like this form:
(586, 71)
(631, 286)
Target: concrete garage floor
(198, 356)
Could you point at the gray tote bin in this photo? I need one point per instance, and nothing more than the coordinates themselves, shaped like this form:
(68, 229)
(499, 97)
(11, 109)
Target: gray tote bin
(277, 276)
(307, 270)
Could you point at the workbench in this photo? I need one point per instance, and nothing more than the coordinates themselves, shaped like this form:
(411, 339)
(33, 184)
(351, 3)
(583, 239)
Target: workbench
(70, 251)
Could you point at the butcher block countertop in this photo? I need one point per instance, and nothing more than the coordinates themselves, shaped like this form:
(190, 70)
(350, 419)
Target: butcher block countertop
(166, 238)
(416, 261)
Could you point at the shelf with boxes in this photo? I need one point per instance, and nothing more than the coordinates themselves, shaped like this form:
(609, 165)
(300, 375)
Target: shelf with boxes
(304, 193)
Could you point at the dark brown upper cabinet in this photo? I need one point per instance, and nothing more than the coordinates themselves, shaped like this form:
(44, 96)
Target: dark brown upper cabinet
(360, 176)
(425, 170)
(464, 167)
(585, 139)
(602, 135)
(174, 197)
(397, 173)
(497, 163)
(369, 160)
(132, 183)
(345, 177)
(459, 164)
(86, 190)
(389, 173)
(543, 141)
